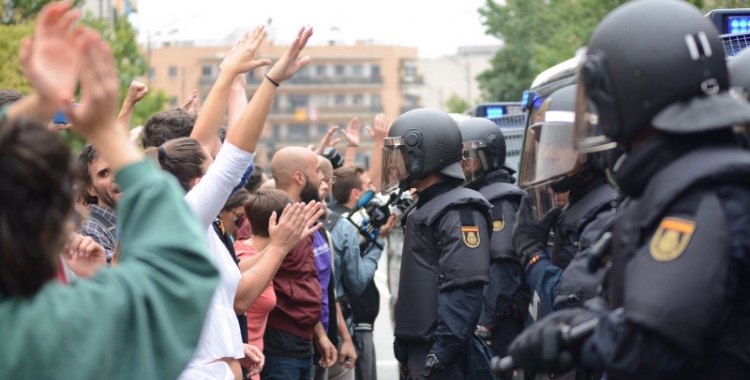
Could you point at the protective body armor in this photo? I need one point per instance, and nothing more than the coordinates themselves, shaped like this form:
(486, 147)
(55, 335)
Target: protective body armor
(705, 261)
(580, 225)
(504, 198)
(420, 277)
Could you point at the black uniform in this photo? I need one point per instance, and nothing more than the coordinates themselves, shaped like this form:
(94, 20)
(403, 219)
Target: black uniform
(681, 259)
(444, 267)
(504, 302)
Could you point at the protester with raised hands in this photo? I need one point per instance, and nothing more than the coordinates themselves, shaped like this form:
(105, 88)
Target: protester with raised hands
(119, 324)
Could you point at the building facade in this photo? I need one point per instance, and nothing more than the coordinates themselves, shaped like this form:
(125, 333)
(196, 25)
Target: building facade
(341, 82)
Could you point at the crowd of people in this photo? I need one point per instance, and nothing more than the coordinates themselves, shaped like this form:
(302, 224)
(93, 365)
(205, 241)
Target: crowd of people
(164, 253)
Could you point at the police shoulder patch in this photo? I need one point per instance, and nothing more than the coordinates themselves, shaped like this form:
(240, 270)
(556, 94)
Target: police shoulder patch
(470, 236)
(671, 239)
(498, 225)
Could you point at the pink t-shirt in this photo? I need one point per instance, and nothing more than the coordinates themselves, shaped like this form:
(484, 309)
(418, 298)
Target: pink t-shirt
(257, 314)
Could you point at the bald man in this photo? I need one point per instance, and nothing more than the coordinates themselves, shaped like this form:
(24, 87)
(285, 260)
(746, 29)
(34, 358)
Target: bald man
(295, 322)
(325, 186)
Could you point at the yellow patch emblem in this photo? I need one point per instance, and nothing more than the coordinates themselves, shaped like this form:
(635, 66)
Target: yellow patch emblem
(498, 225)
(470, 236)
(671, 239)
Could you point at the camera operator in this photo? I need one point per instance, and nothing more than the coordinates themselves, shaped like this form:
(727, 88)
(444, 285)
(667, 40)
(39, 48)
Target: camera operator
(355, 264)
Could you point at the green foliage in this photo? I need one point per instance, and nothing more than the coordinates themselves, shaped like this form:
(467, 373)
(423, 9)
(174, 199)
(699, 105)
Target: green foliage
(11, 73)
(541, 33)
(22, 11)
(456, 104)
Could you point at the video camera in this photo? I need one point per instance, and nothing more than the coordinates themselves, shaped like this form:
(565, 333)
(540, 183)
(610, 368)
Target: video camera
(373, 211)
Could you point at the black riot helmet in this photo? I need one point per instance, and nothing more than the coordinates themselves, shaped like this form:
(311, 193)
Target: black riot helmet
(483, 148)
(419, 143)
(550, 155)
(656, 63)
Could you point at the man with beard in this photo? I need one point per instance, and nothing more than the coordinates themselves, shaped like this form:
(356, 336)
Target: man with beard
(295, 323)
(100, 191)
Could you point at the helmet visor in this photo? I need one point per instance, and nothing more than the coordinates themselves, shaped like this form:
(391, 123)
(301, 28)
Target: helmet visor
(549, 153)
(474, 161)
(543, 199)
(588, 133)
(394, 165)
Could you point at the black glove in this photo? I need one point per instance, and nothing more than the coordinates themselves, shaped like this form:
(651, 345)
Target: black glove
(431, 363)
(401, 351)
(530, 236)
(541, 346)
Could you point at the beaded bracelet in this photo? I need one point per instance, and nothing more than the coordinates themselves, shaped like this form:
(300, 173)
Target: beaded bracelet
(536, 259)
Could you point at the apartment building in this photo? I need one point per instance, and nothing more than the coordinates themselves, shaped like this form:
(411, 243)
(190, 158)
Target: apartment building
(341, 82)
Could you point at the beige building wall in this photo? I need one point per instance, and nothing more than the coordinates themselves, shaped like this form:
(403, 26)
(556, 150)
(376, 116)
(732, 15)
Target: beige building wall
(341, 82)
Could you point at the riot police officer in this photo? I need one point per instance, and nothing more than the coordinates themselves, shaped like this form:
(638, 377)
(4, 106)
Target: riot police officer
(505, 302)
(678, 293)
(446, 253)
(550, 162)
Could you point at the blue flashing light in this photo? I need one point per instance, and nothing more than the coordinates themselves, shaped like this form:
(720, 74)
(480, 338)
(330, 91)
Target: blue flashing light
(494, 112)
(527, 98)
(738, 24)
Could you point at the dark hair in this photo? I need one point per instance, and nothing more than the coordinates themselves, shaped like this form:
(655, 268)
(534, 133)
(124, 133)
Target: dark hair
(347, 178)
(236, 200)
(36, 201)
(87, 156)
(167, 125)
(9, 96)
(183, 158)
(261, 205)
(255, 180)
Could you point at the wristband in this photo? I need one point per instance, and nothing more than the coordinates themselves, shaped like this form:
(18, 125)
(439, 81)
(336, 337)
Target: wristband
(536, 259)
(275, 83)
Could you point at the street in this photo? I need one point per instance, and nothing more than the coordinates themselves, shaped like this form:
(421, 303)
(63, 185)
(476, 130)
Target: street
(383, 330)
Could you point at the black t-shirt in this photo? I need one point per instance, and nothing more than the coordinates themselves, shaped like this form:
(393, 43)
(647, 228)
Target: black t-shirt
(281, 343)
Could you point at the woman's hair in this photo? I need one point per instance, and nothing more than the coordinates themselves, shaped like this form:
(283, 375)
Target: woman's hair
(261, 205)
(237, 199)
(182, 157)
(36, 201)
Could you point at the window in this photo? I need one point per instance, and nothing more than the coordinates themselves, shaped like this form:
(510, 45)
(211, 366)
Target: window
(320, 70)
(375, 100)
(298, 133)
(303, 72)
(375, 71)
(412, 100)
(357, 70)
(206, 71)
(173, 102)
(250, 75)
(150, 73)
(339, 70)
(358, 99)
(276, 132)
(339, 99)
(298, 101)
(173, 71)
(322, 129)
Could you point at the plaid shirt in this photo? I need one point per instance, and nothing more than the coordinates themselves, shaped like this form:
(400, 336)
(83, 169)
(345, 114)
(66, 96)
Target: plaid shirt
(99, 233)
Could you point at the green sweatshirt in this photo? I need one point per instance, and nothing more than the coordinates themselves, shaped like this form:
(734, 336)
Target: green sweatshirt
(140, 320)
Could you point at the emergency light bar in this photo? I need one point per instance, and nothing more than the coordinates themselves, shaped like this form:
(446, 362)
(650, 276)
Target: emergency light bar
(730, 21)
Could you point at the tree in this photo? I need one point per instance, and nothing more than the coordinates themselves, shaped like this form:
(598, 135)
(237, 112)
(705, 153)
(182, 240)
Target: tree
(541, 33)
(22, 11)
(456, 104)
(11, 72)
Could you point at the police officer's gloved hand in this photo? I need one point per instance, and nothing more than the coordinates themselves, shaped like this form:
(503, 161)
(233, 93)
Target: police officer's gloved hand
(542, 347)
(530, 236)
(431, 363)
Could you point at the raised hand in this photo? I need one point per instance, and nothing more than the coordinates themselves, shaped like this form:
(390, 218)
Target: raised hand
(99, 84)
(84, 256)
(380, 130)
(192, 104)
(326, 141)
(241, 58)
(351, 134)
(290, 63)
(50, 61)
(136, 92)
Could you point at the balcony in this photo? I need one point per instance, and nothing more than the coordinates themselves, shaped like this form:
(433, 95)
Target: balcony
(406, 108)
(412, 80)
(325, 112)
